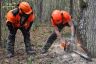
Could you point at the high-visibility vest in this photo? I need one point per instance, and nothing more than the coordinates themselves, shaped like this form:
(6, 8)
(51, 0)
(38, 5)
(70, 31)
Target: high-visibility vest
(15, 20)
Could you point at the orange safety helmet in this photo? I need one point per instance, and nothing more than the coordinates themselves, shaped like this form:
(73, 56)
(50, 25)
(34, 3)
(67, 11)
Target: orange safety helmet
(66, 16)
(25, 7)
(56, 16)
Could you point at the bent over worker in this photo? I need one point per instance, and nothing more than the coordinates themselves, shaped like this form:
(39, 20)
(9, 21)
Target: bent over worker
(59, 20)
(21, 18)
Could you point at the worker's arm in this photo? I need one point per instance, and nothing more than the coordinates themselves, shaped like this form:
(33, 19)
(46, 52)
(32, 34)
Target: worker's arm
(72, 29)
(58, 34)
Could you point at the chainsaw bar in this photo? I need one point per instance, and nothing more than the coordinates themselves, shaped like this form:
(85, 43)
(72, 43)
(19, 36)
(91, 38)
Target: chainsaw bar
(83, 55)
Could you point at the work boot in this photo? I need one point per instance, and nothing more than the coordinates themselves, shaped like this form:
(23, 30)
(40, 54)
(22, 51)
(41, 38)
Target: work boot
(43, 51)
(31, 52)
(46, 48)
(10, 52)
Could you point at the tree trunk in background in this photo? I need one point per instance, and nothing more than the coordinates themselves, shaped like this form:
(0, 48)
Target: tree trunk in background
(0, 25)
(84, 16)
(87, 25)
(71, 7)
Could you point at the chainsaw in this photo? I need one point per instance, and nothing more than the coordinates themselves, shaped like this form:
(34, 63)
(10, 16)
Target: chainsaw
(73, 46)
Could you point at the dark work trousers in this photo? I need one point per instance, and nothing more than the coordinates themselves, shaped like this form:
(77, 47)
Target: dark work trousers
(11, 38)
(53, 37)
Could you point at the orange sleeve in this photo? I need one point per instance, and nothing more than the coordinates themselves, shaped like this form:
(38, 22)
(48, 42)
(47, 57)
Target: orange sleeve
(10, 17)
(31, 18)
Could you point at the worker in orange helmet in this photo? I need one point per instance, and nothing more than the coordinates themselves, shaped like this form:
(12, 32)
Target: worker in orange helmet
(22, 18)
(59, 19)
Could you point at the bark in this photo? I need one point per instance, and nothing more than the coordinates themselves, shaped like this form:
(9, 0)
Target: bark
(87, 25)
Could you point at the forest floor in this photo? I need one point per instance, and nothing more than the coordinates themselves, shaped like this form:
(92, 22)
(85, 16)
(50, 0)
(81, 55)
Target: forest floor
(55, 55)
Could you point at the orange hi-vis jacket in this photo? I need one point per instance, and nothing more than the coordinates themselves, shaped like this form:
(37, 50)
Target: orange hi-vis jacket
(15, 20)
(66, 17)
